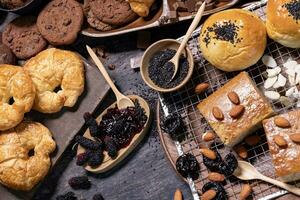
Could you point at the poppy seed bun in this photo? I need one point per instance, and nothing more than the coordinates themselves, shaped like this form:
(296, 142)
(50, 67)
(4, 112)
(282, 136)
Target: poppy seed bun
(283, 22)
(233, 40)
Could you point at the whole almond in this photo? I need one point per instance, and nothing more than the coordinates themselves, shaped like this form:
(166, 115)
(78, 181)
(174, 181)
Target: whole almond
(217, 113)
(214, 176)
(245, 192)
(295, 137)
(282, 122)
(178, 194)
(208, 195)
(208, 153)
(280, 141)
(208, 136)
(237, 111)
(233, 97)
(201, 88)
(241, 151)
(252, 140)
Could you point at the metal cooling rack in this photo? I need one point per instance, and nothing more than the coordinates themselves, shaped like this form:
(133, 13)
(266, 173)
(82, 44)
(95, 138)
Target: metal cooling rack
(184, 102)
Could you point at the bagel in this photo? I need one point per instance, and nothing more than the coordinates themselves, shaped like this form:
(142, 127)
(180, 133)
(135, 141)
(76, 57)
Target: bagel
(24, 155)
(17, 94)
(55, 69)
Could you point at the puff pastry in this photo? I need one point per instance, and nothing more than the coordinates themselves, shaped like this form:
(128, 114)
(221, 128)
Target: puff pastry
(141, 7)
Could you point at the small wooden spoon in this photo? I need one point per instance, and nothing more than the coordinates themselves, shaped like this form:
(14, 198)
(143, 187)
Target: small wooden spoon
(246, 171)
(195, 22)
(122, 100)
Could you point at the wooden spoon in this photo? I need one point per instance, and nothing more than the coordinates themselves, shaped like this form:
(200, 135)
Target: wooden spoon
(122, 100)
(195, 22)
(246, 171)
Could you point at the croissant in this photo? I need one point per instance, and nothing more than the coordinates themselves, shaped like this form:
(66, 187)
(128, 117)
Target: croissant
(141, 7)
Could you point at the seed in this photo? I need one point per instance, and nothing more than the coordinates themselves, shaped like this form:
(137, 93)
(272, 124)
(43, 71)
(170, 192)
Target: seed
(245, 192)
(201, 88)
(280, 141)
(282, 122)
(295, 137)
(214, 176)
(209, 194)
(233, 97)
(252, 140)
(208, 153)
(236, 111)
(208, 136)
(178, 194)
(241, 151)
(217, 113)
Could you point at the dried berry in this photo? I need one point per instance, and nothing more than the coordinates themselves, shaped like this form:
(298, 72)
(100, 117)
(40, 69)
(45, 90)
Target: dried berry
(111, 147)
(79, 182)
(67, 196)
(88, 143)
(229, 165)
(221, 193)
(173, 125)
(213, 165)
(92, 124)
(96, 158)
(188, 166)
(82, 158)
(98, 196)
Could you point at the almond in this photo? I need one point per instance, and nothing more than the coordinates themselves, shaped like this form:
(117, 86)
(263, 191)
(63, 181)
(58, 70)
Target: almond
(252, 140)
(178, 194)
(280, 141)
(217, 113)
(237, 111)
(282, 122)
(201, 88)
(241, 151)
(208, 136)
(245, 192)
(295, 137)
(208, 153)
(214, 176)
(233, 97)
(208, 195)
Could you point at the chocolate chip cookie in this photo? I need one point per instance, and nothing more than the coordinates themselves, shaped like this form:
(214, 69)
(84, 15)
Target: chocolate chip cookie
(23, 37)
(6, 56)
(11, 4)
(97, 24)
(60, 21)
(114, 12)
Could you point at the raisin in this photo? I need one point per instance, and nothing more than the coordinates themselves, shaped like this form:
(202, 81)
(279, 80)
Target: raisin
(111, 147)
(92, 124)
(87, 143)
(96, 158)
(79, 182)
(67, 196)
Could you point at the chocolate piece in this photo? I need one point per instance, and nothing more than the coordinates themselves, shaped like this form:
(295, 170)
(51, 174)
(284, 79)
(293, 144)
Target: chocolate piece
(191, 5)
(179, 6)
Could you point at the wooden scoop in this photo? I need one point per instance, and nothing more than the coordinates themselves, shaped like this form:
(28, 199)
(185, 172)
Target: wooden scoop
(246, 171)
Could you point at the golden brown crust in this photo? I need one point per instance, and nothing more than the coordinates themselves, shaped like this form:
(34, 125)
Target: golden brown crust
(232, 131)
(246, 48)
(285, 160)
(16, 83)
(18, 170)
(141, 7)
(281, 26)
(53, 68)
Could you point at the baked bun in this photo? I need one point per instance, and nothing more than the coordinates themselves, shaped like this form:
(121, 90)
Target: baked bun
(17, 94)
(233, 40)
(58, 76)
(283, 22)
(24, 155)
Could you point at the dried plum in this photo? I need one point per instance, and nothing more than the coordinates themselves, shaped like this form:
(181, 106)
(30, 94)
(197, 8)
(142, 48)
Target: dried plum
(229, 165)
(88, 143)
(188, 166)
(221, 193)
(79, 182)
(67, 196)
(213, 165)
(92, 124)
(173, 125)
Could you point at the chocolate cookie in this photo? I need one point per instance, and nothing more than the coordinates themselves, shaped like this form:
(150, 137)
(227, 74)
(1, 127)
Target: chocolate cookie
(114, 12)
(97, 24)
(60, 21)
(23, 38)
(6, 56)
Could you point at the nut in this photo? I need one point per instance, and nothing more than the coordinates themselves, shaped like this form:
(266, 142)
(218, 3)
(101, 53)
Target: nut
(201, 88)
(280, 141)
(233, 97)
(241, 151)
(236, 111)
(208, 136)
(208, 153)
(282, 122)
(252, 140)
(295, 137)
(178, 194)
(217, 113)
(245, 192)
(208, 195)
(214, 176)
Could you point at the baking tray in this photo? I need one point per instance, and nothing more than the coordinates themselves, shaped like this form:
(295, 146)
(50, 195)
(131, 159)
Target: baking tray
(184, 102)
(65, 124)
(156, 18)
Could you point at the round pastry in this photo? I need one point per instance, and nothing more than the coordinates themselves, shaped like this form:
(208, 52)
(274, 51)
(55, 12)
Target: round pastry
(283, 22)
(58, 76)
(11, 4)
(60, 21)
(233, 40)
(17, 94)
(114, 12)
(6, 56)
(23, 37)
(24, 155)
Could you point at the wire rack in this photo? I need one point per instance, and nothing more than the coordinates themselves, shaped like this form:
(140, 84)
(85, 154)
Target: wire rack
(185, 101)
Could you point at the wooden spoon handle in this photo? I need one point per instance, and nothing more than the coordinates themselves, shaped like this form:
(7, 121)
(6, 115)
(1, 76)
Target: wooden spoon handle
(283, 185)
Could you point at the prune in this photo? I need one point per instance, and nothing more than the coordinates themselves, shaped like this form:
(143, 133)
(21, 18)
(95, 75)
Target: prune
(229, 165)
(188, 166)
(173, 125)
(67, 196)
(221, 193)
(88, 143)
(213, 165)
(92, 124)
(111, 147)
(79, 182)
(96, 158)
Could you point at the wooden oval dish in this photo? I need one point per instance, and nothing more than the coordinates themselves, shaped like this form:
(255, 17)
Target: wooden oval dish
(109, 163)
